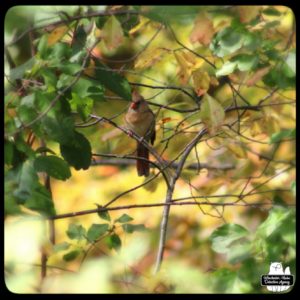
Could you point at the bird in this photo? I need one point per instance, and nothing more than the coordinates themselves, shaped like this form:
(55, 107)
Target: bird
(140, 119)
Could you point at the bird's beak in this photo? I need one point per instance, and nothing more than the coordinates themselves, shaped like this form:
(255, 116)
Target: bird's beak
(133, 105)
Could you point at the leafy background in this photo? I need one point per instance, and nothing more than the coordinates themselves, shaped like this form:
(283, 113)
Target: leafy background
(192, 64)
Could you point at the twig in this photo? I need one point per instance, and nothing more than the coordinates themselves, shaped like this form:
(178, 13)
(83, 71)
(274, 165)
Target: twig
(165, 204)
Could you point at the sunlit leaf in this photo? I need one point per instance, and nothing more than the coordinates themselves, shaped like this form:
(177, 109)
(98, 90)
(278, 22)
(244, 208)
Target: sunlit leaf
(212, 112)
(56, 35)
(184, 69)
(283, 134)
(201, 81)
(112, 33)
(237, 149)
(148, 58)
(227, 68)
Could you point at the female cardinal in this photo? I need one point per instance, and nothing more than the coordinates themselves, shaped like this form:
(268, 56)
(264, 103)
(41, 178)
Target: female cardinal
(141, 120)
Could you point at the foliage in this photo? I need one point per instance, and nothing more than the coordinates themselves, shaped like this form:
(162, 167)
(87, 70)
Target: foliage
(221, 81)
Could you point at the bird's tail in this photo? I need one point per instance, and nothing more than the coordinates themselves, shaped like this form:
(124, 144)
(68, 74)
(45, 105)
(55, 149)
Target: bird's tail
(141, 165)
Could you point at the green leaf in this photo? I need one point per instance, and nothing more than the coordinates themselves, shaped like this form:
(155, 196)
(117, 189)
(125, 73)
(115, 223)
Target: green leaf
(79, 39)
(223, 237)
(78, 153)
(103, 214)
(293, 187)
(8, 152)
(71, 255)
(124, 219)
(278, 200)
(64, 81)
(50, 78)
(113, 81)
(18, 72)
(40, 200)
(69, 68)
(283, 134)
(43, 48)
(289, 68)
(75, 231)
(60, 51)
(212, 112)
(60, 129)
(276, 217)
(83, 106)
(239, 253)
(96, 231)
(227, 41)
(44, 150)
(53, 166)
(130, 228)
(100, 21)
(114, 242)
(61, 247)
(245, 62)
(227, 68)
(271, 11)
(166, 13)
(88, 88)
(28, 181)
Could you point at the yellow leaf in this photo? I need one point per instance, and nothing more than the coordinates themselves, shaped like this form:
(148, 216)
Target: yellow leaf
(148, 58)
(238, 150)
(184, 71)
(189, 57)
(201, 81)
(112, 33)
(212, 113)
(56, 35)
(203, 30)
(142, 22)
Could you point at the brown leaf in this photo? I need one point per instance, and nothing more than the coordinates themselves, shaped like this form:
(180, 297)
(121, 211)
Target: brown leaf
(203, 30)
(247, 12)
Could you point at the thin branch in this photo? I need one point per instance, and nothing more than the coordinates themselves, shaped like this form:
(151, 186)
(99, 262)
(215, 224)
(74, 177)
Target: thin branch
(129, 161)
(166, 204)
(165, 87)
(164, 222)
(69, 20)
